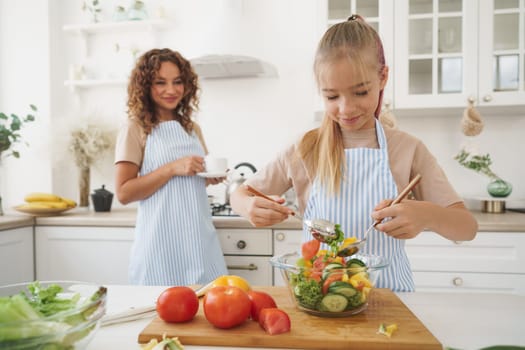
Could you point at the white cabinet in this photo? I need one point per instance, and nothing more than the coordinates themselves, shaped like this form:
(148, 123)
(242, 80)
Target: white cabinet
(247, 253)
(450, 51)
(16, 255)
(492, 262)
(91, 254)
(284, 241)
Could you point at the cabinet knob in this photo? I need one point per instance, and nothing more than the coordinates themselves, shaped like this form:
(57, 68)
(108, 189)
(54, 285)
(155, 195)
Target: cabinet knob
(487, 98)
(279, 236)
(457, 281)
(241, 244)
(250, 267)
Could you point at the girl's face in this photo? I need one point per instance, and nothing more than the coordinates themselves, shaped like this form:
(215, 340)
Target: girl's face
(351, 94)
(167, 90)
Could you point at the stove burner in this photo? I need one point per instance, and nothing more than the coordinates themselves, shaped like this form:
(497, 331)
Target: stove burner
(218, 209)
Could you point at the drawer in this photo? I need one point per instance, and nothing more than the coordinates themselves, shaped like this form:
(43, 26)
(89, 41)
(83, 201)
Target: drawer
(469, 282)
(246, 242)
(489, 252)
(255, 269)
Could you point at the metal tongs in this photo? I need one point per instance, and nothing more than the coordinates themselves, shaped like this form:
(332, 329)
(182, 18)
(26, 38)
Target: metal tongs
(324, 229)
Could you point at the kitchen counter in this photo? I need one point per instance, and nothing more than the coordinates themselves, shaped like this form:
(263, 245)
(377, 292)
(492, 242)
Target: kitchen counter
(125, 217)
(459, 320)
(12, 221)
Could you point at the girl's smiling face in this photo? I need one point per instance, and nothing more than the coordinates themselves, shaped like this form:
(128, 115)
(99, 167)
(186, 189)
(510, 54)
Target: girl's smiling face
(351, 93)
(167, 89)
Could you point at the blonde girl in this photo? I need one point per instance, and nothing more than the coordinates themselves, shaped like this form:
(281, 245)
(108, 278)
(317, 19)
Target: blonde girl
(350, 168)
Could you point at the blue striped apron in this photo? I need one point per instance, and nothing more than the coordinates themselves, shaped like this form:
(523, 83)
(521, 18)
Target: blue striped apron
(368, 181)
(175, 240)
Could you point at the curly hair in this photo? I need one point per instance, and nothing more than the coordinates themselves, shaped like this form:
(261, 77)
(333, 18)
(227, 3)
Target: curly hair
(140, 104)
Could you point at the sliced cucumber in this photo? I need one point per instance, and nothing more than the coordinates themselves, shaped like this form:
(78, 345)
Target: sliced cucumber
(327, 269)
(333, 303)
(342, 288)
(355, 263)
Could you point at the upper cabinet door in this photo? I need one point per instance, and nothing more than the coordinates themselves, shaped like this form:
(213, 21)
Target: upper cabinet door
(502, 52)
(435, 53)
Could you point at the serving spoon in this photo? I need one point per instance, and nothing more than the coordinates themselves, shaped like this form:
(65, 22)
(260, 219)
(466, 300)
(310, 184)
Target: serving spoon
(322, 230)
(353, 248)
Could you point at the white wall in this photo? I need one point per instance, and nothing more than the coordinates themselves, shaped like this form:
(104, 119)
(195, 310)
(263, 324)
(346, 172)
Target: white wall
(24, 80)
(243, 119)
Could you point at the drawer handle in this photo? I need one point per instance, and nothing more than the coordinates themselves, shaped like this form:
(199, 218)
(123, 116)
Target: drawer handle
(279, 236)
(241, 244)
(250, 267)
(457, 281)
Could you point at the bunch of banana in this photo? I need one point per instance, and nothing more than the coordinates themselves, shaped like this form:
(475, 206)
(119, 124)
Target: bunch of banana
(40, 200)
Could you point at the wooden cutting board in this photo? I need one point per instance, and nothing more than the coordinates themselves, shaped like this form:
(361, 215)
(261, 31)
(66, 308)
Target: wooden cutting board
(309, 332)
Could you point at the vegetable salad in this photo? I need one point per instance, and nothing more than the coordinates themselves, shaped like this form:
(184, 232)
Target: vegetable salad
(329, 283)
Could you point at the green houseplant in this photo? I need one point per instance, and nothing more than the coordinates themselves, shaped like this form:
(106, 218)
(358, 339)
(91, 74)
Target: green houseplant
(497, 187)
(10, 126)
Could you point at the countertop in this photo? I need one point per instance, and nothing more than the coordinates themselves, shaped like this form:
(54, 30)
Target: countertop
(125, 217)
(459, 320)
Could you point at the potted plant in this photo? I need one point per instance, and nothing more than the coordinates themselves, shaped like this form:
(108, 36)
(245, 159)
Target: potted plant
(10, 126)
(497, 187)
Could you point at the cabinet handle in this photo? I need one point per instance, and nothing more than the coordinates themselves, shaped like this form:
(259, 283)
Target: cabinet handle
(250, 267)
(241, 244)
(458, 242)
(279, 236)
(457, 281)
(487, 98)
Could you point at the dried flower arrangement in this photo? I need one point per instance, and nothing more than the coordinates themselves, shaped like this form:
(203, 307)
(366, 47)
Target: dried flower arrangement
(87, 144)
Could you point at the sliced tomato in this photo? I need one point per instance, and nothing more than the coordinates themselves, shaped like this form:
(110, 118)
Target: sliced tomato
(274, 321)
(310, 248)
(260, 300)
(334, 276)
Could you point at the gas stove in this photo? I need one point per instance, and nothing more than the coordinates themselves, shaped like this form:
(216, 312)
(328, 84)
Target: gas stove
(218, 209)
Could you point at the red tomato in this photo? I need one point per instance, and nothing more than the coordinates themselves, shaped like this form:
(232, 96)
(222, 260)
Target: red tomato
(310, 248)
(260, 300)
(177, 304)
(274, 321)
(334, 276)
(226, 306)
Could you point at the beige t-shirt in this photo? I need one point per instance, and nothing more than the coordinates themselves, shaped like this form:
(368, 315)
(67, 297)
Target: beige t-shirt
(408, 156)
(131, 141)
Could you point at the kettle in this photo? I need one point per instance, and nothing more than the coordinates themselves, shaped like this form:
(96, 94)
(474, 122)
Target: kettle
(102, 199)
(233, 184)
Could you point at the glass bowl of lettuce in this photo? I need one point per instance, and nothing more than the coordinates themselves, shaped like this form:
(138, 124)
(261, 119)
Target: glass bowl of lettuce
(327, 285)
(54, 315)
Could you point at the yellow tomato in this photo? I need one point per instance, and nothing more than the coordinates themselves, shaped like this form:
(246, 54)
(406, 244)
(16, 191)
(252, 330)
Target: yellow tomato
(232, 280)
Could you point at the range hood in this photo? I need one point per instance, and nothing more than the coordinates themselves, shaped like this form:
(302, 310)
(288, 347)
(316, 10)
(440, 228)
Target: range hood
(231, 66)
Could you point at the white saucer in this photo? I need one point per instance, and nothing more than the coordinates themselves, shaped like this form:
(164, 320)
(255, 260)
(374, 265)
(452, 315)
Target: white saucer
(219, 174)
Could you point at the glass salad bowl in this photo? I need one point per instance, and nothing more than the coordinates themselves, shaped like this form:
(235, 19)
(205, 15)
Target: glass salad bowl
(329, 286)
(50, 315)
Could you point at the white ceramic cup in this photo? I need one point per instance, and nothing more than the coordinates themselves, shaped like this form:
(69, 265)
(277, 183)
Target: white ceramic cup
(215, 164)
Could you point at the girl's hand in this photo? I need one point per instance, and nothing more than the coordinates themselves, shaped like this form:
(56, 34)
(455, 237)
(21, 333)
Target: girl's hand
(188, 166)
(262, 212)
(408, 218)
